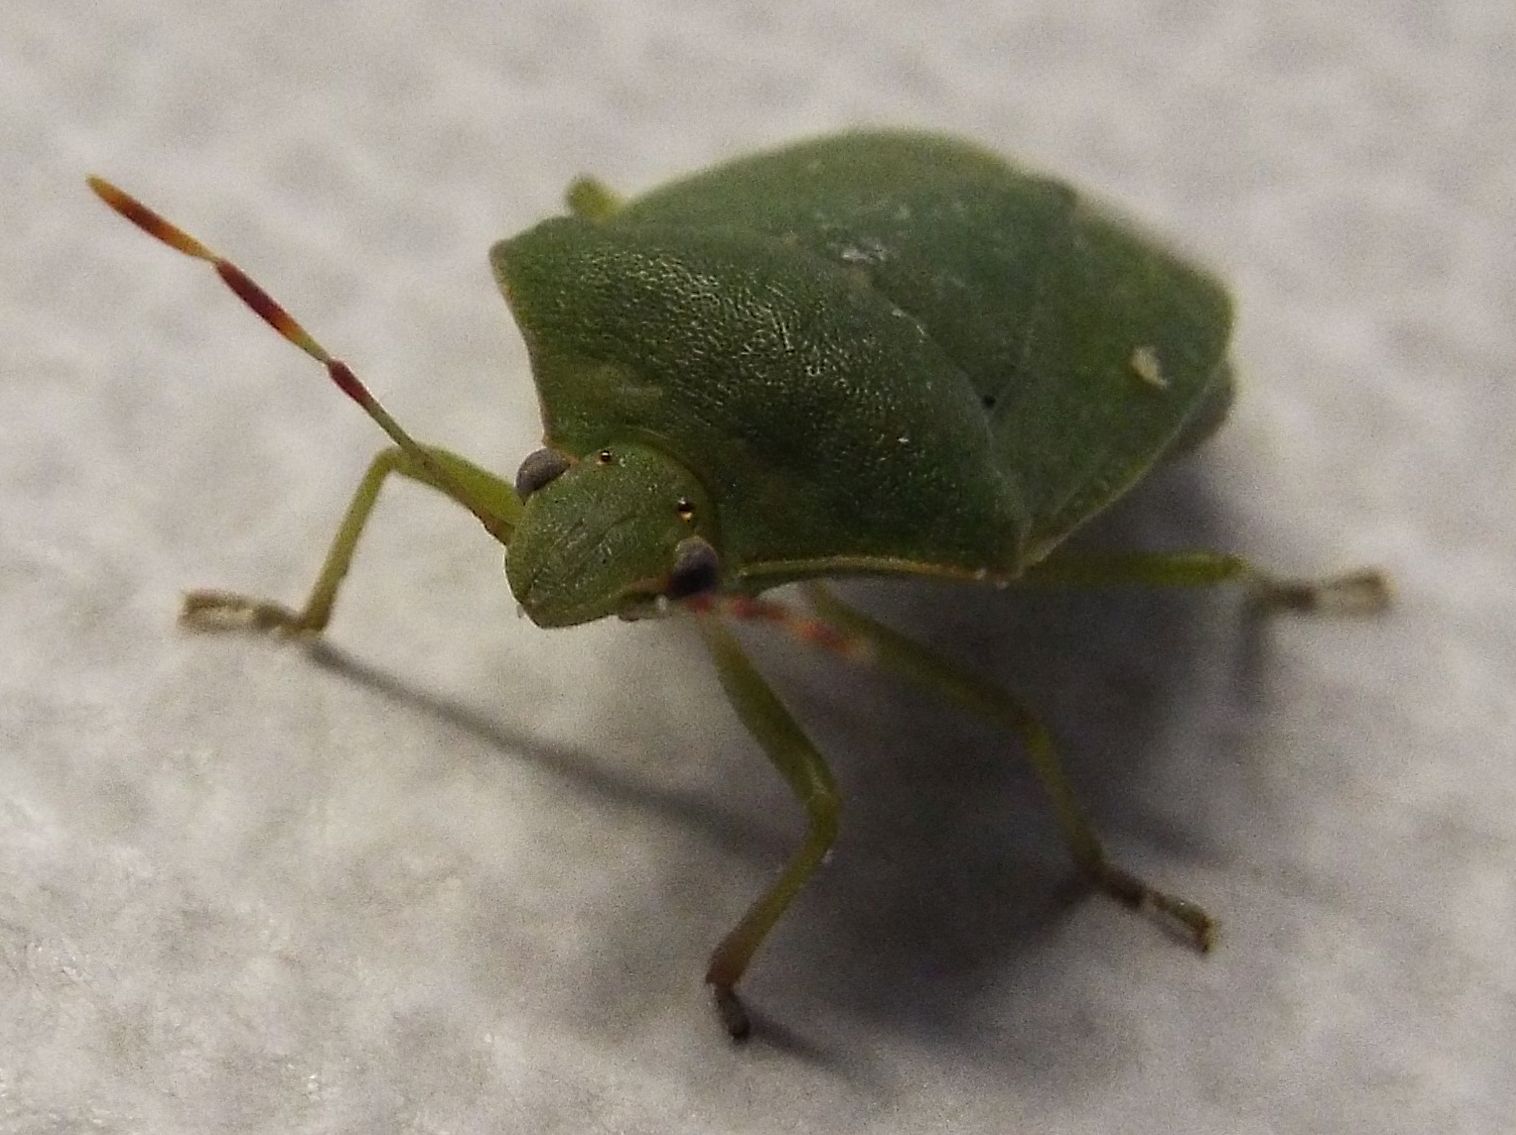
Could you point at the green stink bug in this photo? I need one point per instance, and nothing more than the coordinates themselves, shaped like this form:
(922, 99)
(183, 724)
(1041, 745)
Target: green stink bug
(879, 353)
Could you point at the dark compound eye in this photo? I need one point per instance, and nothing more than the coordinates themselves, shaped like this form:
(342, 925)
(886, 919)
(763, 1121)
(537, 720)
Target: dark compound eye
(697, 568)
(538, 469)
(685, 508)
(605, 457)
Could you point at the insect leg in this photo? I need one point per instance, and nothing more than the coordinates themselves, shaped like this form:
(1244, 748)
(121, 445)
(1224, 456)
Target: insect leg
(911, 660)
(217, 610)
(1358, 592)
(798, 761)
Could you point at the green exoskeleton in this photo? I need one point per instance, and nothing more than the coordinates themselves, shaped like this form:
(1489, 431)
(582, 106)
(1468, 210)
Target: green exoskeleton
(877, 353)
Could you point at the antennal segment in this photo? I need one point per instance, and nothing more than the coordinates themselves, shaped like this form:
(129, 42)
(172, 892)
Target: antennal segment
(808, 629)
(272, 313)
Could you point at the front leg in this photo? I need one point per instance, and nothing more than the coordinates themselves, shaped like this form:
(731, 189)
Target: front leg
(221, 610)
(798, 760)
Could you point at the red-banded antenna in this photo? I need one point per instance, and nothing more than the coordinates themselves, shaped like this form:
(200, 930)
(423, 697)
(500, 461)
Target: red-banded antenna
(272, 313)
(808, 629)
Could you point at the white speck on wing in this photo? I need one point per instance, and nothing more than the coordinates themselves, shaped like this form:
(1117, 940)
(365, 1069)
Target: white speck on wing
(1144, 364)
(866, 251)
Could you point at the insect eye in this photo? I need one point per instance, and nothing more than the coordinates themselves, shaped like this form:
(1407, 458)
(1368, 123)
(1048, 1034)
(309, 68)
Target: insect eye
(685, 508)
(539, 469)
(697, 568)
(605, 457)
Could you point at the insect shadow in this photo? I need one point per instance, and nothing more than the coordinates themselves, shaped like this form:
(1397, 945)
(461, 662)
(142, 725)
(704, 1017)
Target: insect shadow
(950, 875)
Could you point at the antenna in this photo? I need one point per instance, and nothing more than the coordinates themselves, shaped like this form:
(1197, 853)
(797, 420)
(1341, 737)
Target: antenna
(811, 630)
(265, 307)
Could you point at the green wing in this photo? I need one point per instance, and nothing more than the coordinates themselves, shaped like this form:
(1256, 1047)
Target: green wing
(1091, 347)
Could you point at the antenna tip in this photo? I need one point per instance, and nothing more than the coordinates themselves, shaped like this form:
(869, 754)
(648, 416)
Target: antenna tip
(121, 201)
(147, 220)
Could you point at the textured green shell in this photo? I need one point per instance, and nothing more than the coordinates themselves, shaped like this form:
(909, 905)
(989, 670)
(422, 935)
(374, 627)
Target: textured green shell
(877, 351)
